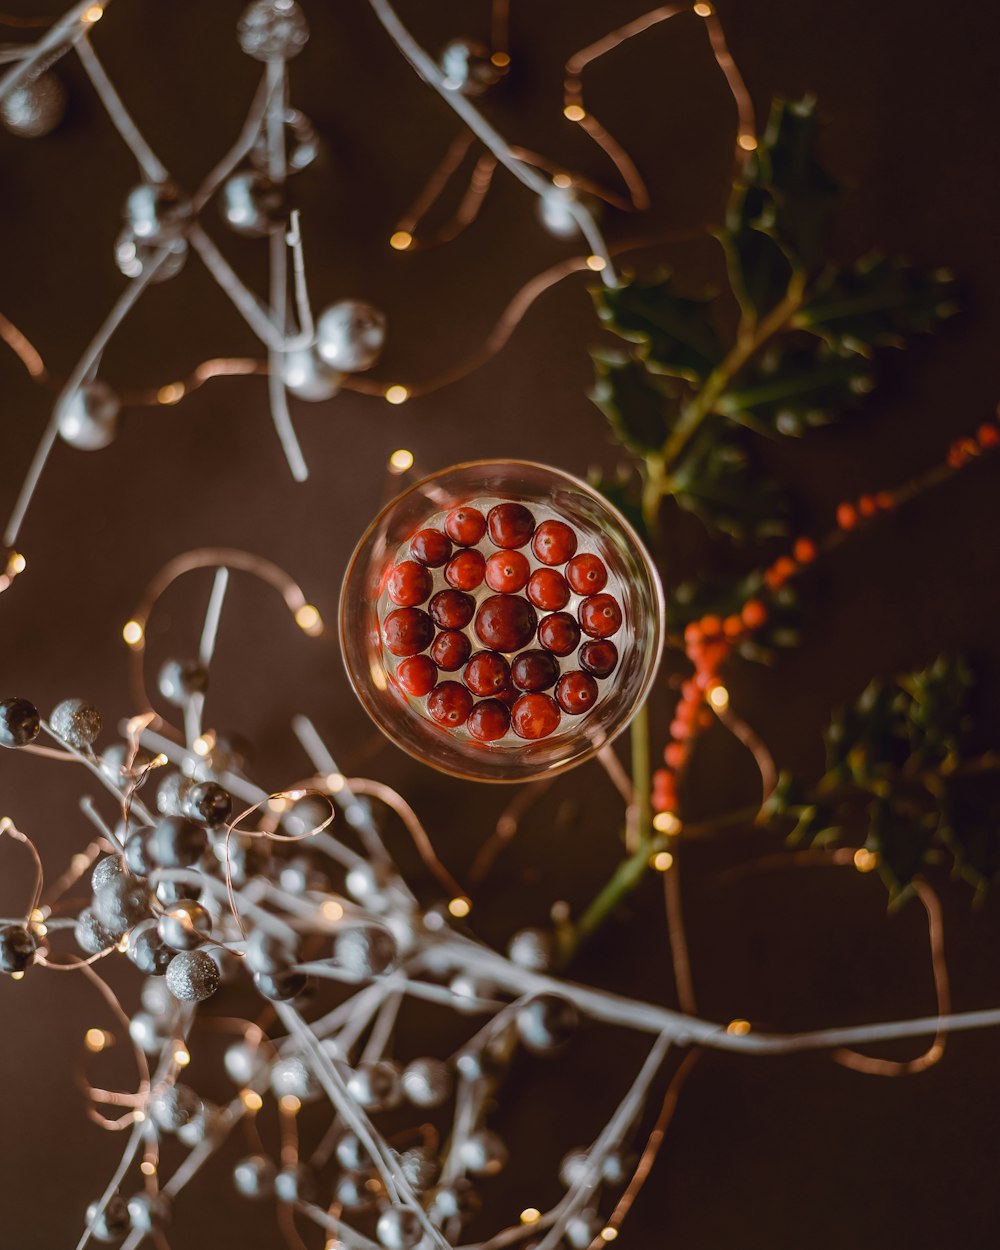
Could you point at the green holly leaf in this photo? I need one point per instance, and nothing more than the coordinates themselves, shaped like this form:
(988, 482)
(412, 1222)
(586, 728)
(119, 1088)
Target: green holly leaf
(760, 272)
(903, 841)
(866, 738)
(672, 333)
(637, 405)
(937, 710)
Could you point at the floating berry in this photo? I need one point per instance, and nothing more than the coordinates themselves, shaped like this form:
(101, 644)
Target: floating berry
(559, 633)
(407, 631)
(599, 658)
(450, 650)
(487, 673)
(507, 572)
(548, 590)
(533, 671)
(449, 704)
(409, 584)
(465, 526)
(586, 574)
(511, 525)
(577, 692)
(489, 720)
(430, 547)
(465, 570)
(554, 542)
(600, 616)
(417, 675)
(452, 609)
(534, 716)
(505, 623)
(754, 614)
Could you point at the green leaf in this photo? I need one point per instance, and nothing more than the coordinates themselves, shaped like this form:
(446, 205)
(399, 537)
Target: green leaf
(673, 333)
(759, 271)
(903, 841)
(635, 404)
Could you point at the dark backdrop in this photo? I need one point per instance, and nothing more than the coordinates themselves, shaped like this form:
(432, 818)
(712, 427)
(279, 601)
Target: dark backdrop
(763, 1153)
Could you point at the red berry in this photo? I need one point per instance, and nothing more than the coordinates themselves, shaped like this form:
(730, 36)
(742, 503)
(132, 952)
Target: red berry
(507, 572)
(599, 658)
(449, 704)
(465, 526)
(534, 671)
(600, 616)
(505, 623)
(452, 609)
(450, 650)
(559, 633)
(409, 584)
(548, 590)
(430, 547)
(586, 574)
(417, 675)
(510, 525)
(535, 716)
(489, 720)
(487, 673)
(407, 631)
(508, 696)
(465, 570)
(577, 693)
(554, 542)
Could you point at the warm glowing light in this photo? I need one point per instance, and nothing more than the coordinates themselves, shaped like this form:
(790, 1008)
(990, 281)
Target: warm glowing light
(93, 14)
(203, 744)
(460, 907)
(123, 944)
(401, 240)
(666, 822)
(290, 1104)
(597, 263)
(277, 804)
(738, 1028)
(530, 1215)
(662, 861)
(609, 1233)
(172, 393)
(500, 59)
(865, 860)
(132, 632)
(5, 824)
(17, 976)
(335, 782)
(308, 619)
(562, 181)
(158, 761)
(182, 1056)
(332, 910)
(139, 1117)
(747, 142)
(37, 915)
(397, 394)
(79, 863)
(41, 929)
(251, 1099)
(704, 10)
(718, 696)
(574, 113)
(147, 1167)
(96, 1040)
(400, 461)
(16, 563)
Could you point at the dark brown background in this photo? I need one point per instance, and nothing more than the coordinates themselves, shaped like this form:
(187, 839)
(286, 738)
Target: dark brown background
(763, 1153)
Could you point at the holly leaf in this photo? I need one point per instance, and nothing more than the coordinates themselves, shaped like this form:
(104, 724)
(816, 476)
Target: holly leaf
(903, 841)
(636, 404)
(760, 272)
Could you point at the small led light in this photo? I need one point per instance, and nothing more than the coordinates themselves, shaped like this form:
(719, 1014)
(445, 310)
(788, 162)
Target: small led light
(400, 461)
(139, 1117)
(96, 1040)
(718, 696)
(397, 394)
(16, 563)
(738, 1028)
(335, 782)
(5, 824)
(865, 860)
(332, 910)
(704, 10)
(597, 263)
(41, 929)
(574, 113)
(132, 632)
(172, 393)
(203, 744)
(401, 240)
(290, 1104)
(530, 1215)
(666, 822)
(662, 861)
(308, 619)
(747, 142)
(147, 1167)
(158, 761)
(500, 59)
(182, 1056)
(460, 907)
(93, 14)
(37, 915)
(562, 181)
(277, 804)
(609, 1233)
(17, 976)
(251, 1099)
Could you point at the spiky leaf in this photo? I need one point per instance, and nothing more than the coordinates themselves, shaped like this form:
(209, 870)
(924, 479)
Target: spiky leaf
(673, 333)
(636, 404)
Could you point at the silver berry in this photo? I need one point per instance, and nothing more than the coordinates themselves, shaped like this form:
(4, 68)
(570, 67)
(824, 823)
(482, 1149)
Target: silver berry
(350, 335)
(272, 30)
(193, 976)
(254, 1176)
(89, 418)
(365, 950)
(399, 1228)
(426, 1082)
(76, 723)
(35, 107)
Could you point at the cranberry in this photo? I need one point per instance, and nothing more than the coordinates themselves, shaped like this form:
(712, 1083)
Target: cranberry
(554, 542)
(505, 622)
(417, 675)
(449, 704)
(465, 570)
(508, 696)
(548, 590)
(450, 650)
(577, 693)
(452, 609)
(487, 673)
(407, 631)
(587, 574)
(507, 572)
(510, 525)
(559, 633)
(534, 716)
(534, 671)
(465, 526)
(599, 658)
(600, 616)
(409, 584)
(430, 547)
(489, 721)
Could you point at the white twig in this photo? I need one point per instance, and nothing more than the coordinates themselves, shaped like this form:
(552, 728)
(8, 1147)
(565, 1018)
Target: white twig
(152, 167)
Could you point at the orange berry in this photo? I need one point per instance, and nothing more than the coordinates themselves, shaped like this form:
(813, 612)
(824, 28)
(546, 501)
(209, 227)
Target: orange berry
(679, 729)
(885, 500)
(715, 654)
(847, 516)
(804, 550)
(692, 632)
(754, 614)
(969, 446)
(674, 754)
(732, 626)
(711, 626)
(867, 505)
(988, 435)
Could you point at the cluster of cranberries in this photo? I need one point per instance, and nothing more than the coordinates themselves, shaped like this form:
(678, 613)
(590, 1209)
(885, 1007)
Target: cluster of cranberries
(500, 625)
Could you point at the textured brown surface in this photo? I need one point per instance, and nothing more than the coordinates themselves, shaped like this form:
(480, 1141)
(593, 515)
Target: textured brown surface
(763, 1153)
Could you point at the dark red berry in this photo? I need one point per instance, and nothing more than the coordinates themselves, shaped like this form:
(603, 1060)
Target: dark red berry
(465, 570)
(489, 720)
(430, 547)
(508, 696)
(534, 716)
(450, 650)
(465, 526)
(407, 631)
(548, 590)
(417, 675)
(559, 633)
(600, 616)
(534, 671)
(586, 574)
(554, 542)
(449, 704)
(599, 658)
(487, 673)
(505, 622)
(452, 609)
(510, 525)
(507, 572)
(577, 693)
(409, 584)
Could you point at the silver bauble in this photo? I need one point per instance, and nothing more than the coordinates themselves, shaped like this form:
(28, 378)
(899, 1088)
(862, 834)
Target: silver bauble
(375, 1086)
(483, 1153)
(427, 1082)
(308, 376)
(254, 1176)
(399, 1228)
(113, 1222)
(150, 1033)
(350, 335)
(467, 67)
(181, 680)
(583, 1229)
(292, 1076)
(170, 794)
(251, 204)
(134, 256)
(155, 212)
(185, 925)
(89, 418)
(546, 1022)
(531, 949)
(242, 1062)
(35, 108)
(272, 30)
(574, 1168)
(555, 212)
(193, 976)
(365, 950)
(173, 1105)
(302, 144)
(149, 1212)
